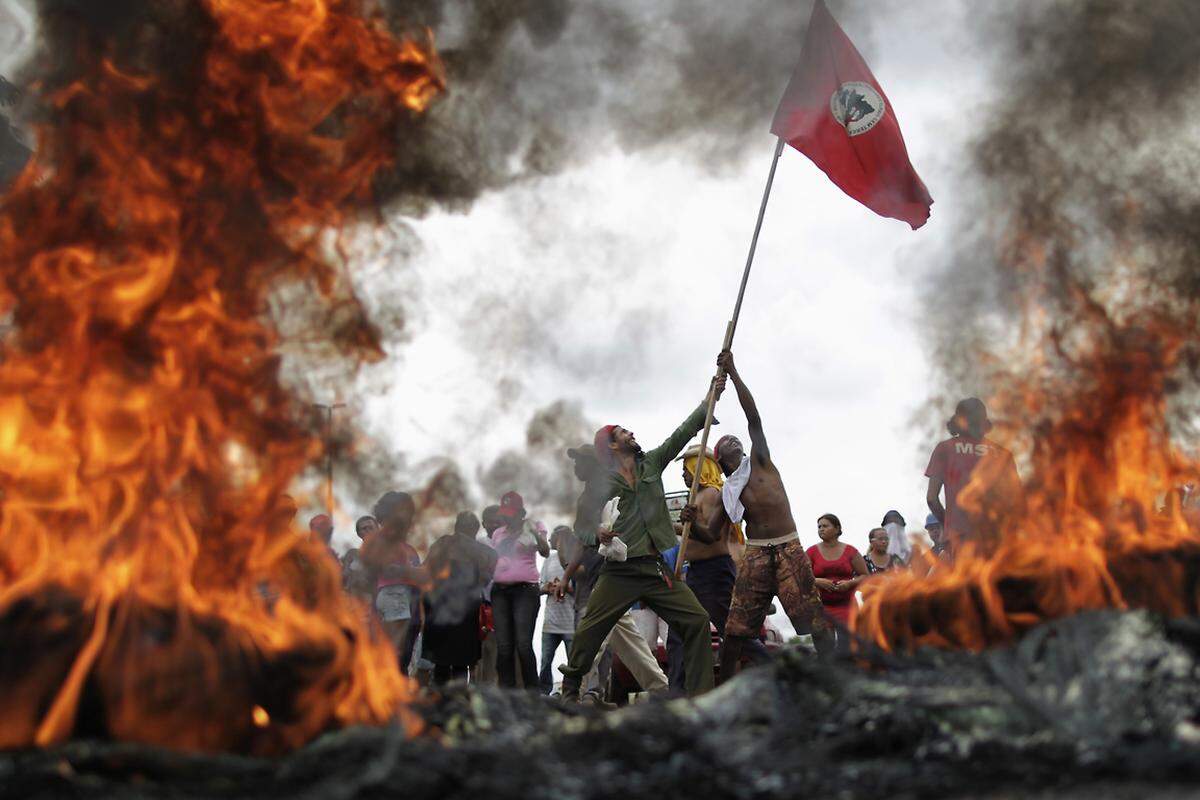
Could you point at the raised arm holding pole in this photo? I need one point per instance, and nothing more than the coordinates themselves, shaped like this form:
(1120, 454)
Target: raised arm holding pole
(729, 332)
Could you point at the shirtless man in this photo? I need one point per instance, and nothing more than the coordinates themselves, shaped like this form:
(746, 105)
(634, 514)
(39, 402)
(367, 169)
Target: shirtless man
(775, 563)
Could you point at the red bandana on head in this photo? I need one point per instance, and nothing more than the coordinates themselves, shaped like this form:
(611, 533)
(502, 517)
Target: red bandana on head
(717, 446)
(602, 442)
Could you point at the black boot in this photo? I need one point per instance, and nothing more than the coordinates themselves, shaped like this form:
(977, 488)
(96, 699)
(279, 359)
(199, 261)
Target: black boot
(594, 699)
(570, 690)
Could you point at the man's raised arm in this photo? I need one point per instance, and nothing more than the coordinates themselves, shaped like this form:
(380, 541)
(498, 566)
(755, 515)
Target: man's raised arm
(758, 440)
(658, 458)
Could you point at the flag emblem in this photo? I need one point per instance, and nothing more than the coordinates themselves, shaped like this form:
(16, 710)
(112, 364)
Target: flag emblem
(836, 113)
(857, 107)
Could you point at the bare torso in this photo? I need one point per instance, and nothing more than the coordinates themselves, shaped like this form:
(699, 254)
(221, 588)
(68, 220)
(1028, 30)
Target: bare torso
(768, 511)
(707, 500)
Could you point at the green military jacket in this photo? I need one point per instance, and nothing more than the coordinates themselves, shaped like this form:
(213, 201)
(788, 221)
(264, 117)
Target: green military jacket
(643, 522)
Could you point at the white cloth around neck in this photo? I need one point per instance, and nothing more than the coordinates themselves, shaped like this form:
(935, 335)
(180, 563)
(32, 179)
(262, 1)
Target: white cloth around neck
(731, 492)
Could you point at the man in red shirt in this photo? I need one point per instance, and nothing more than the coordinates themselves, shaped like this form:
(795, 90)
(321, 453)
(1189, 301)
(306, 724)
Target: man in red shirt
(979, 476)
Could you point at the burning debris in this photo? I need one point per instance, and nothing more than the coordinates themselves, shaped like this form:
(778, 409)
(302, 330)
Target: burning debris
(152, 591)
(190, 157)
(1092, 706)
(1077, 304)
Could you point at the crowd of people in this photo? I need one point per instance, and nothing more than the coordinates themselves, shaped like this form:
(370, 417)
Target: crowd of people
(608, 583)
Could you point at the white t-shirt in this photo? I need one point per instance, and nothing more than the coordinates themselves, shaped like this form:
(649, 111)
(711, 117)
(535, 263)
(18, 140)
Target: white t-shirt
(559, 617)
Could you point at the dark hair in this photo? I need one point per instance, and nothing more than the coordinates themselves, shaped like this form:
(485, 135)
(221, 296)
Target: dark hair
(390, 501)
(975, 413)
(493, 509)
(358, 523)
(837, 523)
(466, 523)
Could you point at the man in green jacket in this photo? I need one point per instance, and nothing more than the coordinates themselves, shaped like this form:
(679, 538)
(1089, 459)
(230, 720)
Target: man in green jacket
(644, 524)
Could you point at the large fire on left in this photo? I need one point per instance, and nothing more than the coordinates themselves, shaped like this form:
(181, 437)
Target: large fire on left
(151, 586)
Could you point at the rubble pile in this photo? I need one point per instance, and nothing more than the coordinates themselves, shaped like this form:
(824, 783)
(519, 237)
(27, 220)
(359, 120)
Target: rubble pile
(1097, 705)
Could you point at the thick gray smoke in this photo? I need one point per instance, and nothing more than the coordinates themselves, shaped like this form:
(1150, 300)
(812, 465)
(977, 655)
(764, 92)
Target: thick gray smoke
(536, 86)
(541, 471)
(1085, 230)
(365, 467)
(13, 152)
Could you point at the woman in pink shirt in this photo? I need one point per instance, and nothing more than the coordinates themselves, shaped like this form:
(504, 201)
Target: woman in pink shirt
(515, 594)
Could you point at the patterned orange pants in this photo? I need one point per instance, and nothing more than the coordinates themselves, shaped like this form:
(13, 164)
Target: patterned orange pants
(782, 571)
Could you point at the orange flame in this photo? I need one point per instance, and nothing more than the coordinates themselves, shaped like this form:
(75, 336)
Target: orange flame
(151, 589)
(1100, 524)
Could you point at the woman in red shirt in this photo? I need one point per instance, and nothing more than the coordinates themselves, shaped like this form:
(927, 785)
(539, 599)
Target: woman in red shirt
(838, 568)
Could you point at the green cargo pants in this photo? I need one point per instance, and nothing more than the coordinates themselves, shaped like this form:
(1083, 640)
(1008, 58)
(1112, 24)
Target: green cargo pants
(620, 585)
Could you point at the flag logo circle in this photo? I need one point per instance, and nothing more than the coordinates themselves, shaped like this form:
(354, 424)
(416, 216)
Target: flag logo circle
(857, 107)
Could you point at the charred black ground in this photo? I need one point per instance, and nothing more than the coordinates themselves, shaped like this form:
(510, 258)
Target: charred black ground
(1098, 705)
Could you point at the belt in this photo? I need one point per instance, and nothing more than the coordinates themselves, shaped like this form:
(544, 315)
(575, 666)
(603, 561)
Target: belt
(778, 540)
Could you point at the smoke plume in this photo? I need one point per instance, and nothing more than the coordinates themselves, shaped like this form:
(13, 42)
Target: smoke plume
(1084, 228)
(535, 87)
(541, 472)
(1071, 301)
(538, 86)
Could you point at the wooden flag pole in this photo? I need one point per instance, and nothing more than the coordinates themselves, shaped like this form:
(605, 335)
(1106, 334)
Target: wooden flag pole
(730, 329)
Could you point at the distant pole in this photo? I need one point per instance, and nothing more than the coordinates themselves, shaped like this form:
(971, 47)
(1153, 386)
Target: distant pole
(729, 332)
(328, 409)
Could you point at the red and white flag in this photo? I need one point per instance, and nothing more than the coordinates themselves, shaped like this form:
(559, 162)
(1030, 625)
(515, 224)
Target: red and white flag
(835, 112)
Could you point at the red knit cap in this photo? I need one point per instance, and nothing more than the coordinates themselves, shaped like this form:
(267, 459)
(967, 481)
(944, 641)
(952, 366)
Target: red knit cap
(602, 442)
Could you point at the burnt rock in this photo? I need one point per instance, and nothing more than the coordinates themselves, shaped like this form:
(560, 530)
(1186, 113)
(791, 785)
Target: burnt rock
(1103, 704)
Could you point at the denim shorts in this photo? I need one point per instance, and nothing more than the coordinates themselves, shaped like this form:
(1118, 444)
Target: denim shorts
(394, 603)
